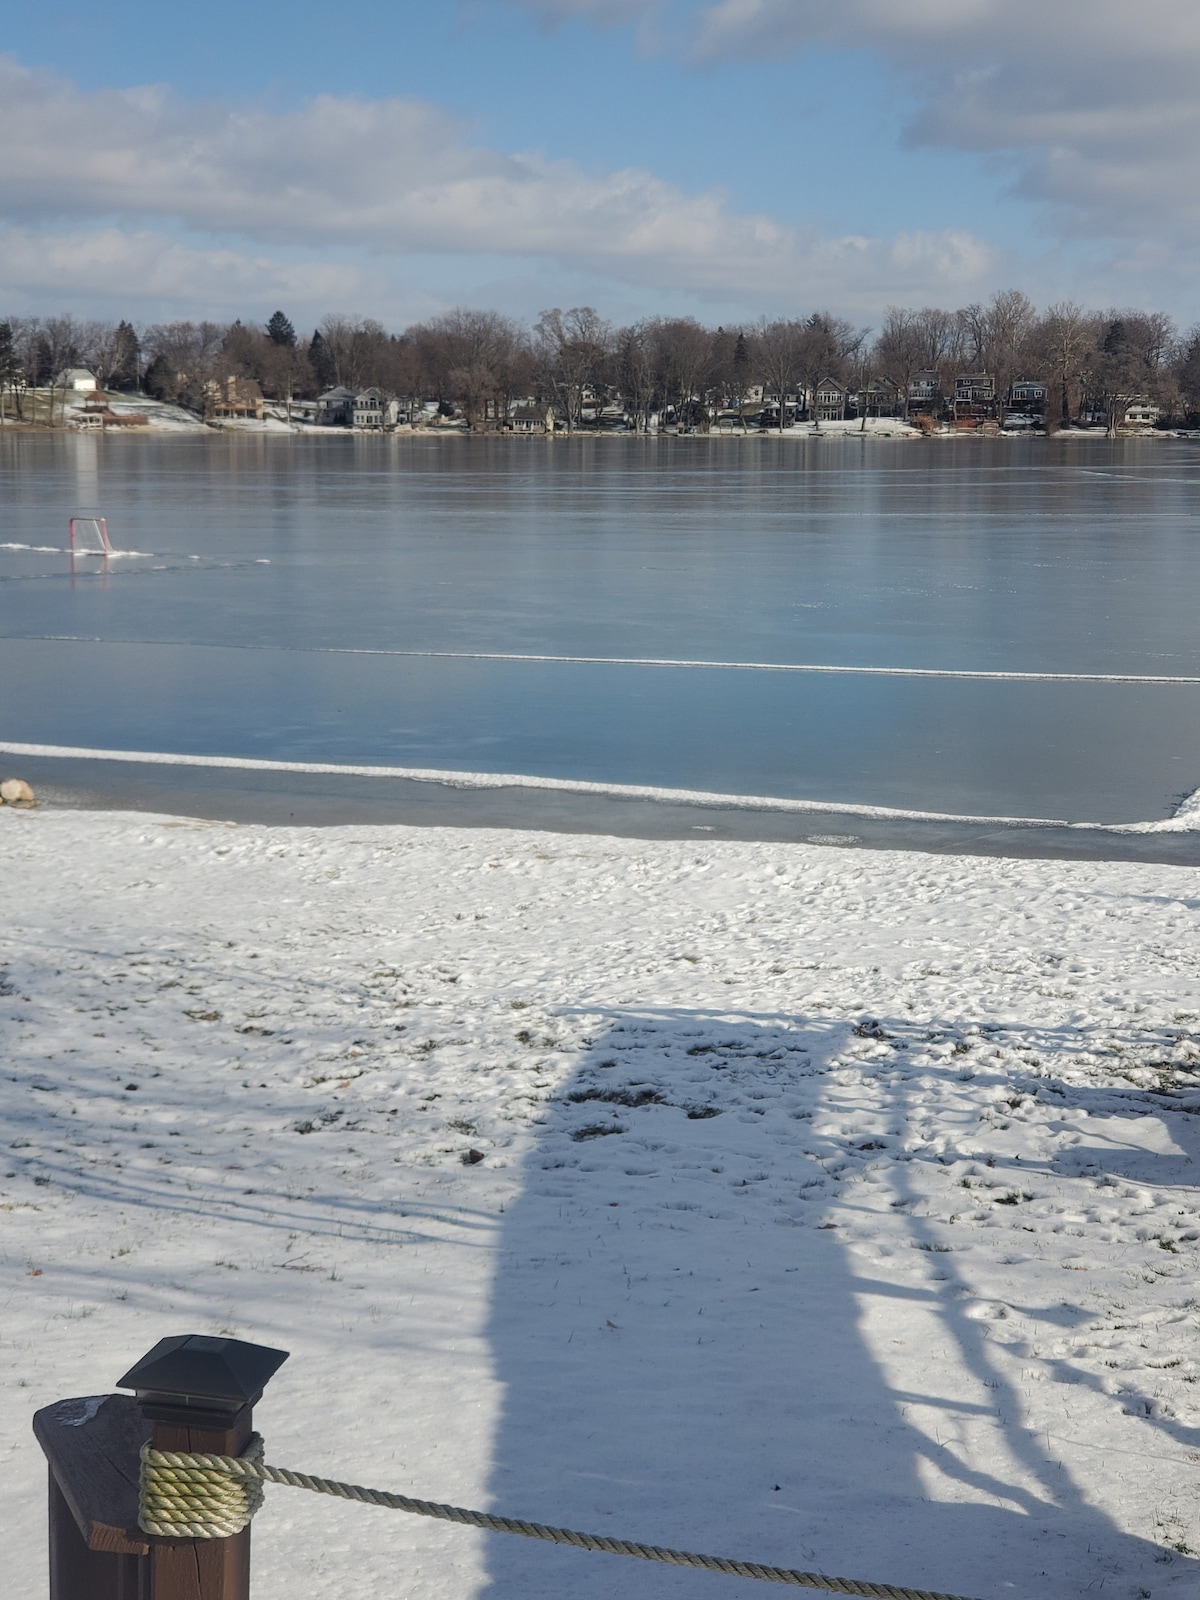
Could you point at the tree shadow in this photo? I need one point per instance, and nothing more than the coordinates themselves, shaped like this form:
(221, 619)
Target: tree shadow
(690, 1354)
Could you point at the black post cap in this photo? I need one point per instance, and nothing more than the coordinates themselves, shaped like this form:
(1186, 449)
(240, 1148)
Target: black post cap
(215, 1372)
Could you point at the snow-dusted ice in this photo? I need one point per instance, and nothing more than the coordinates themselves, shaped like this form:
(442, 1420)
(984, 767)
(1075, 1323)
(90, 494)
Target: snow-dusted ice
(837, 1207)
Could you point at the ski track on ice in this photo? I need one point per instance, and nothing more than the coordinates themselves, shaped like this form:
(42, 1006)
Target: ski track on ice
(837, 1207)
(826, 669)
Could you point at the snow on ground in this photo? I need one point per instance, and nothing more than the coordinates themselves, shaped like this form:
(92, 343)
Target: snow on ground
(161, 416)
(265, 424)
(837, 1207)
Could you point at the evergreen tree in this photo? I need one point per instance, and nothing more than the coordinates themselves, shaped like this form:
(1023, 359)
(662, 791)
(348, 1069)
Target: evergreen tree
(10, 366)
(320, 359)
(43, 362)
(1117, 371)
(160, 380)
(280, 330)
(126, 367)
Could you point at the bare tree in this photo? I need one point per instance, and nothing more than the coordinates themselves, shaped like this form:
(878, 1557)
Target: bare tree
(1187, 372)
(472, 358)
(356, 348)
(184, 357)
(997, 337)
(1059, 346)
(683, 362)
(284, 371)
(571, 348)
(900, 350)
(778, 356)
(940, 345)
(828, 347)
(634, 367)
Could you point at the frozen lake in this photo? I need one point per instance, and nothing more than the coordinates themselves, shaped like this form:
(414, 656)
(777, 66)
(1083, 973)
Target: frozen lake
(266, 563)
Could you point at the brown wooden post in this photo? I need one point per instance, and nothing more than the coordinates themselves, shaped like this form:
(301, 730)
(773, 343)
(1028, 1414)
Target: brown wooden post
(193, 1393)
(198, 1394)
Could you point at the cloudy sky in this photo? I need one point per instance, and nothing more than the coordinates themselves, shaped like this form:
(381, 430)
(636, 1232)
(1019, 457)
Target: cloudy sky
(395, 157)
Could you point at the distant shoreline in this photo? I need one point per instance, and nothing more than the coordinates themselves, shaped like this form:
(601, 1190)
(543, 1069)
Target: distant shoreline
(891, 432)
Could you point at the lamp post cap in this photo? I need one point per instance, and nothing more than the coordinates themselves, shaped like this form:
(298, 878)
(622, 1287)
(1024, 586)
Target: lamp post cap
(194, 1366)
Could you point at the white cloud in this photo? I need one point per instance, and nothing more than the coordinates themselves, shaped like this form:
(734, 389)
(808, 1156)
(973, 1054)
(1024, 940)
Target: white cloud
(1093, 101)
(394, 177)
(1092, 104)
(41, 266)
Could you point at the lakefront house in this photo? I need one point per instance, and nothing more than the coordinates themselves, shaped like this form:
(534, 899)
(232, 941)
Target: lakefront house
(235, 397)
(828, 402)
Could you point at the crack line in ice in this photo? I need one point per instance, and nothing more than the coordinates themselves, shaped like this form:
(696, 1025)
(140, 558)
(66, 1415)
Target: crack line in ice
(1185, 820)
(997, 675)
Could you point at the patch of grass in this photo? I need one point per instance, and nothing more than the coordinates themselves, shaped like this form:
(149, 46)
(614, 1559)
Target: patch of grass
(630, 1095)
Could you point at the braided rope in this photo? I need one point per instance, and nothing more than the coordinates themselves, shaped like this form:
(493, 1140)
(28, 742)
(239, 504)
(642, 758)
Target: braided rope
(187, 1495)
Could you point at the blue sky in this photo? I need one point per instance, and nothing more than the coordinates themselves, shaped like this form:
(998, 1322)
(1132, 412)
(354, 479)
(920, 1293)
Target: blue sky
(726, 158)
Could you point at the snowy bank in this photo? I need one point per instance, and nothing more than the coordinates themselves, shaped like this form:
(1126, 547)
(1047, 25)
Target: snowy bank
(837, 1208)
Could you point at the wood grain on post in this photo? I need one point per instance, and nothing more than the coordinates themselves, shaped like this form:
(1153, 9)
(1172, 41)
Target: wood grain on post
(202, 1569)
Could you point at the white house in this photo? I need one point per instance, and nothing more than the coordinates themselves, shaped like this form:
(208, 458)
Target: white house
(367, 409)
(78, 379)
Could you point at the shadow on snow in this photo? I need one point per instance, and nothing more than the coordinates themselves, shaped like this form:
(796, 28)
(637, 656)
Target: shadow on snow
(682, 1336)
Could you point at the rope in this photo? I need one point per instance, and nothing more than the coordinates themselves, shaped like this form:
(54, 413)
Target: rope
(188, 1495)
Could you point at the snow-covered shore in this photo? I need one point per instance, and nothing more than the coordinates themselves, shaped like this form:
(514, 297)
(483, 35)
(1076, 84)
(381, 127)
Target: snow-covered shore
(837, 1207)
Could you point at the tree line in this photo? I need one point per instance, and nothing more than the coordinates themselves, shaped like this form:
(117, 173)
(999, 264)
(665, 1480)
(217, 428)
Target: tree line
(477, 363)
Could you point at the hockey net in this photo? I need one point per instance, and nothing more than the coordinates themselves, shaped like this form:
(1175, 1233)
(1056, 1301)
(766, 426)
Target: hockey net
(89, 536)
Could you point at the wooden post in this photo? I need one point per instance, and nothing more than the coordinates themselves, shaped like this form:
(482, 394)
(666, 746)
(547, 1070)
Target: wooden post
(97, 1551)
(193, 1393)
(199, 1569)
